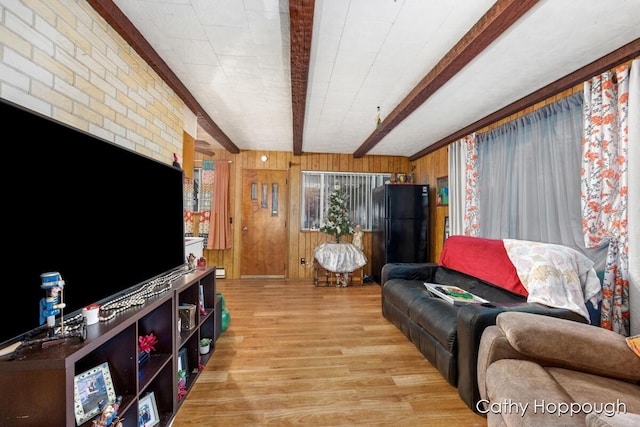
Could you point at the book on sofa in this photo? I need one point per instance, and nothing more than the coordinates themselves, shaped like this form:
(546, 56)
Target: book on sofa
(454, 294)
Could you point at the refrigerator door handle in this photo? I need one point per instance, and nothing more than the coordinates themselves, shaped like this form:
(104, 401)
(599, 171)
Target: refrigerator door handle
(387, 232)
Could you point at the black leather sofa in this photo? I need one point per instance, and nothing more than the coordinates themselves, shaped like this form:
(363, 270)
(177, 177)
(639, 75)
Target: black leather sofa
(448, 336)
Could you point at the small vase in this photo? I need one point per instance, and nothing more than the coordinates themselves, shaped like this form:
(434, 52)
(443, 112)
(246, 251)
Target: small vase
(143, 356)
(204, 349)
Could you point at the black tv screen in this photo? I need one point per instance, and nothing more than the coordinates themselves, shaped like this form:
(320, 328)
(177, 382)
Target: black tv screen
(104, 217)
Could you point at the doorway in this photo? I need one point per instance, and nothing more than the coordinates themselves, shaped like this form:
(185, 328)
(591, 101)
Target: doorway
(264, 222)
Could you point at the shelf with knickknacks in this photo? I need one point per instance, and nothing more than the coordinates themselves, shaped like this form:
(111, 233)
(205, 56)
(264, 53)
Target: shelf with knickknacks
(402, 178)
(108, 414)
(146, 344)
(204, 345)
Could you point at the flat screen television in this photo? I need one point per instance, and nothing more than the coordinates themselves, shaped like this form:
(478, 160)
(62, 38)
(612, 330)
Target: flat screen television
(104, 217)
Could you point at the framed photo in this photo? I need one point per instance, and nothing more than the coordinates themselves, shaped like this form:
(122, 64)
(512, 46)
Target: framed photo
(183, 363)
(90, 388)
(201, 297)
(442, 195)
(148, 411)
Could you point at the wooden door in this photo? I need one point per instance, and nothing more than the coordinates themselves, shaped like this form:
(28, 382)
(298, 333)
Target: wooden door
(264, 220)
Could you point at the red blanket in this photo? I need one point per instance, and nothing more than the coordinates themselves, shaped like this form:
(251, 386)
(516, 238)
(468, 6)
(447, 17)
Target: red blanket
(485, 259)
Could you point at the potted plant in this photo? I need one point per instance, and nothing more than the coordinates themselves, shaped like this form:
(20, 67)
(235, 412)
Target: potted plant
(205, 344)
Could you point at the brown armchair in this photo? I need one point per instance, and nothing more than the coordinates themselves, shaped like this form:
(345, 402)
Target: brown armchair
(541, 370)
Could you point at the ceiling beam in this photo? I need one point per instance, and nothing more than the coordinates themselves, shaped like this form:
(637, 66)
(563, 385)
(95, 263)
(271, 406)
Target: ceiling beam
(496, 21)
(619, 56)
(123, 26)
(301, 30)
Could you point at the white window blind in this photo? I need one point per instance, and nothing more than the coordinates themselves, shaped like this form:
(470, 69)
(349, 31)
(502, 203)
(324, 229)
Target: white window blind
(357, 188)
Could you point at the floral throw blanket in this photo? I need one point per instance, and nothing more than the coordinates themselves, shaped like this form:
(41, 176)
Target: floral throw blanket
(555, 275)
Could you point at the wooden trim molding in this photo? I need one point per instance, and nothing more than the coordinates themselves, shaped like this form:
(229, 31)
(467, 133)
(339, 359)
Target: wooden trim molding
(301, 29)
(496, 21)
(619, 56)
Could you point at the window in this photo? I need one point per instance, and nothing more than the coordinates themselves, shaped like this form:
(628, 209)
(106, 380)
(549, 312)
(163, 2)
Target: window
(357, 187)
(197, 194)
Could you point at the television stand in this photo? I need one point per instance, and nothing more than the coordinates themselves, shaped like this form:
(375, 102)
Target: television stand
(37, 388)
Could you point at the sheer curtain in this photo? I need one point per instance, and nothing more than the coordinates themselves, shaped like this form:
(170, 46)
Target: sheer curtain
(457, 166)
(463, 200)
(529, 178)
(605, 186)
(634, 197)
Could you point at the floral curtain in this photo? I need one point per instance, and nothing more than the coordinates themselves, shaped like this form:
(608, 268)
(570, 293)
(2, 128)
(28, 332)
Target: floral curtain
(604, 187)
(471, 193)
(206, 193)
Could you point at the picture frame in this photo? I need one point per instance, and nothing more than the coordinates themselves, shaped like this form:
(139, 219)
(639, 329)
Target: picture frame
(90, 388)
(201, 297)
(183, 362)
(442, 191)
(148, 411)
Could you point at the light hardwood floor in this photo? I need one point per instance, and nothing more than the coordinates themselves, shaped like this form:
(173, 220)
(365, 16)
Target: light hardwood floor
(296, 354)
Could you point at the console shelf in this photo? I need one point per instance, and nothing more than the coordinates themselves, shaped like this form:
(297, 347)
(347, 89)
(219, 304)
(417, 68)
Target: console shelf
(37, 388)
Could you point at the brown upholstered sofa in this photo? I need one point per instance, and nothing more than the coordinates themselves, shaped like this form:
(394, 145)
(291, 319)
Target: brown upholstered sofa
(542, 371)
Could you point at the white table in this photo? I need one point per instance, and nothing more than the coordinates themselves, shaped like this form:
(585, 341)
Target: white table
(339, 257)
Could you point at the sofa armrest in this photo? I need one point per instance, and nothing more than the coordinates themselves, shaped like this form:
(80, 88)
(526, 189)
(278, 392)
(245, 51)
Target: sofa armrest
(493, 346)
(423, 271)
(472, 320)
(556, 342)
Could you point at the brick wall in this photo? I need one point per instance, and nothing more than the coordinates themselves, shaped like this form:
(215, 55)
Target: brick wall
(61, 59)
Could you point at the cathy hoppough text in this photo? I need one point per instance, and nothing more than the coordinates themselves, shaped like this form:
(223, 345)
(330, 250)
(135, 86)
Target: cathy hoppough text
(555, 408)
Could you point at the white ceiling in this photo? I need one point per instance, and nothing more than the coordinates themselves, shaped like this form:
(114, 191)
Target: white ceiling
(234, 57)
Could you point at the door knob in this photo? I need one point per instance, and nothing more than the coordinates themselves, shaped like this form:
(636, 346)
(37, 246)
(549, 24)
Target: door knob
(245, 228)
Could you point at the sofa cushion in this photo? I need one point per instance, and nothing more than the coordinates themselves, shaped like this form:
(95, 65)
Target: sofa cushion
(438, 318)
(483, 258)
(403, 293)
(570, 347)
(589, 388)
(620, 419)
(515, 386)
(523, 387)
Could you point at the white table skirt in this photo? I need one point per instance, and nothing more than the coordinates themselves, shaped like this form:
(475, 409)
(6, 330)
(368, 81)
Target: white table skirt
(339, 257)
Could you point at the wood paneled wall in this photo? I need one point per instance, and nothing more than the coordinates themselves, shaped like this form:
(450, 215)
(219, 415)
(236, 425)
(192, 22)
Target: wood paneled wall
(300, 243)
(427, 170)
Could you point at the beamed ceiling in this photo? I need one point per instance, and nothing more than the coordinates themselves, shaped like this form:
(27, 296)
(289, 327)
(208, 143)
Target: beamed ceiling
(311, 76)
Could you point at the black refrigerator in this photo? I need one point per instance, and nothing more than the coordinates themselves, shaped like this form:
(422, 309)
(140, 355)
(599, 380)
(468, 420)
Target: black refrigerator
(400, 225)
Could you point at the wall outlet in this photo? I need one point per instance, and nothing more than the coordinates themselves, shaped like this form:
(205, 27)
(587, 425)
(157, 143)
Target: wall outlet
(303, 261)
